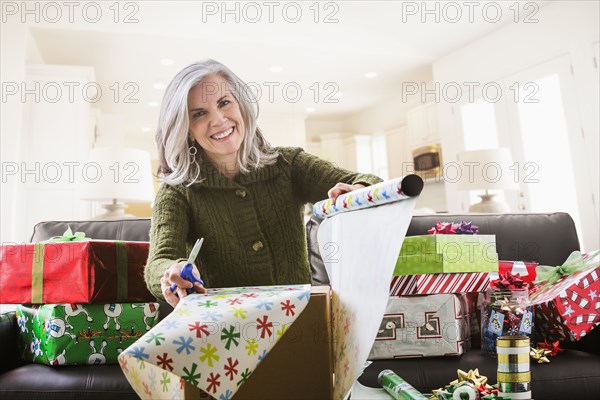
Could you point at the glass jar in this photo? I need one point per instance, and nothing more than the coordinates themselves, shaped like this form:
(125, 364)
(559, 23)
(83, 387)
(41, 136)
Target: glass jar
(504, 312)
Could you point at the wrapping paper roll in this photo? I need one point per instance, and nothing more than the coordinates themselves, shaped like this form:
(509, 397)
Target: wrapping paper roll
(381, 193)
(514, 376)
(397, 387)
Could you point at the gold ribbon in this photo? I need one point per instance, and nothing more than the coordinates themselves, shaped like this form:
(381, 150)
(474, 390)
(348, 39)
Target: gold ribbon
(513, 358)
(472, 376)
(37, 274)
(514, 377)
(540, 355)
(512, 341)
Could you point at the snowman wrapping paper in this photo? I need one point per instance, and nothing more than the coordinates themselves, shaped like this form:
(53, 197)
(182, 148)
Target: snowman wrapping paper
(69, 334)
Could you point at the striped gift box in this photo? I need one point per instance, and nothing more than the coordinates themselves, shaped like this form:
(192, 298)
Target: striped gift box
(439, 283)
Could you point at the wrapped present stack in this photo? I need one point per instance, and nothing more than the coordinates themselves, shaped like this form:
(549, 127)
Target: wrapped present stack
(435, 292)
(80, 301)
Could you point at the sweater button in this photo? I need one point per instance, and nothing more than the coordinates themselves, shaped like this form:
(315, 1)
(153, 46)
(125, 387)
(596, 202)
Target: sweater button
(258, 246)
(240, 193)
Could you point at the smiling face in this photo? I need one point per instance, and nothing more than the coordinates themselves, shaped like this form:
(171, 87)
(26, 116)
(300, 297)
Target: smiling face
(216, 121)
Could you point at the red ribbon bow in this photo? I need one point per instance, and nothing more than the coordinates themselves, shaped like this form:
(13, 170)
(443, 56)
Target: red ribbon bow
(551, 347)
(442, 228)
(508, 281)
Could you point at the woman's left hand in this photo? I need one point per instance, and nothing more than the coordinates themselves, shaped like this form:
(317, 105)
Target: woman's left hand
(341, 188)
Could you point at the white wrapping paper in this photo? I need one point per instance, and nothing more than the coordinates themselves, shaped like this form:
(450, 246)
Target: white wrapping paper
(360, 249)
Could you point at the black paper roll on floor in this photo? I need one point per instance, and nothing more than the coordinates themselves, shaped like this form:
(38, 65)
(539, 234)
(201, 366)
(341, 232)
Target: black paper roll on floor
(412, 185)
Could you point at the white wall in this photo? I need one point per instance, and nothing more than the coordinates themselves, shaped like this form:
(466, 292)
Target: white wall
(283, 130)
(14, 44)
(390, 113)
(564, 28)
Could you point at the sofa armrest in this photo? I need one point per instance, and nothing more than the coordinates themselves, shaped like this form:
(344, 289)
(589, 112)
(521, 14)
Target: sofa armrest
(9, 353)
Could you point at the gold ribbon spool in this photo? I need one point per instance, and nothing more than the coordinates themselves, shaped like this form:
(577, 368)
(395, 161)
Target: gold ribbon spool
(514, 377)
(513, 358)
(512, 341)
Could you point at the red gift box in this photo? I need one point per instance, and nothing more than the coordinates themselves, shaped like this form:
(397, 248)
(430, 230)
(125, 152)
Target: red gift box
(466, 282)
(95, 271)
(526, 270)
(568, 309)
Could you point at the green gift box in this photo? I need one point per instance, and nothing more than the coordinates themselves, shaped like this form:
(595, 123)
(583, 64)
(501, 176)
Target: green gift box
(68, 334)
(434, 254)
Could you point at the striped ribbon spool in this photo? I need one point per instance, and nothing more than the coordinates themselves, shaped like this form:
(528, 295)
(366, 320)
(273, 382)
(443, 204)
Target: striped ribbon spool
(514, 377)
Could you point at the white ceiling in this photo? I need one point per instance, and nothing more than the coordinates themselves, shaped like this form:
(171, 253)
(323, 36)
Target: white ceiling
(368, 36)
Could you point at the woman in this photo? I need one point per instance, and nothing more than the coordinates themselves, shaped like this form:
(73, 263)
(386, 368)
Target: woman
(223, 181)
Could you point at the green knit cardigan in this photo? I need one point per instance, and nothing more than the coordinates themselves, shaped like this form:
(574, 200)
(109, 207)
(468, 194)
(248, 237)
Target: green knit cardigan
(252, 225)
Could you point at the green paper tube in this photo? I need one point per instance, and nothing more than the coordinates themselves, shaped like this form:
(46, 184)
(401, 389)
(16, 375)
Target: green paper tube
(397, 387)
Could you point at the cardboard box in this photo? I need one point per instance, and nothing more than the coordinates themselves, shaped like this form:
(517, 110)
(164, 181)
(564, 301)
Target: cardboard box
(300, 366)
(434, 254)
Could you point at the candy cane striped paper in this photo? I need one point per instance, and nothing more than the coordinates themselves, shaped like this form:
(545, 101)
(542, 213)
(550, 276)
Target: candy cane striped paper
(439, 283)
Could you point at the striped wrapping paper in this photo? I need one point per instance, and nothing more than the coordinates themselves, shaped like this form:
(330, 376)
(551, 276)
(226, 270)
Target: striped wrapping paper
(439, 283)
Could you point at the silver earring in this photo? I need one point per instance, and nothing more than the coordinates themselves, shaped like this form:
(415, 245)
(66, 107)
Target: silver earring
(192, 152)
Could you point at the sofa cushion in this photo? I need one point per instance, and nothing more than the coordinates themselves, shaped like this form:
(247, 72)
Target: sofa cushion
(36, 381)
(571, 375)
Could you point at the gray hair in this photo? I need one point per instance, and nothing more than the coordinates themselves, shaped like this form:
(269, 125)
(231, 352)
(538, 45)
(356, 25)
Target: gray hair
(172, 135)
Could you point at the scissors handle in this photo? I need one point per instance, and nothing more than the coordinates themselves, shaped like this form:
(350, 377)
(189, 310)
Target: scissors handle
(187, 274)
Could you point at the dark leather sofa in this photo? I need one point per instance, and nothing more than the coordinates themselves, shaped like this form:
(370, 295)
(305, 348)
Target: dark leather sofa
(545, 238)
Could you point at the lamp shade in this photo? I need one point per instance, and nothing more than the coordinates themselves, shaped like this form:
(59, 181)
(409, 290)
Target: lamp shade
(123, 174)
(490, 169)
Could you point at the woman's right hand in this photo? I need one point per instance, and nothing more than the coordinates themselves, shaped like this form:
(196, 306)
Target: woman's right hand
(172, 276)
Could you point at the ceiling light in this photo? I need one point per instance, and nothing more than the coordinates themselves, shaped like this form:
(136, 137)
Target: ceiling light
(167, 61)
(310, 110)
(159, 86)
(370, 75)
(275, 68)
(153, 103)
(145, 129)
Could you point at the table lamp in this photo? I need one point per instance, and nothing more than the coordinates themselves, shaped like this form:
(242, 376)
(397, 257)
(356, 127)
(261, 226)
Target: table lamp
(487, 169)
(118, 175)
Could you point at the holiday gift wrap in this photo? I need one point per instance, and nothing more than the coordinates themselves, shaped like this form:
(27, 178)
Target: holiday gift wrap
(421, 326)
(431, 254)
(213, 341)
(367, 243)
(92, 271)
(566, 298)
(525, 270)
(68, 334)
(382, 193)
(469, 282)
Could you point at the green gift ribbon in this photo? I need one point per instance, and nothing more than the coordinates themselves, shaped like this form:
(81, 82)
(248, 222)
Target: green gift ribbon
(574, 263)
(68, 236)
(37, 274)
(121, 253)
